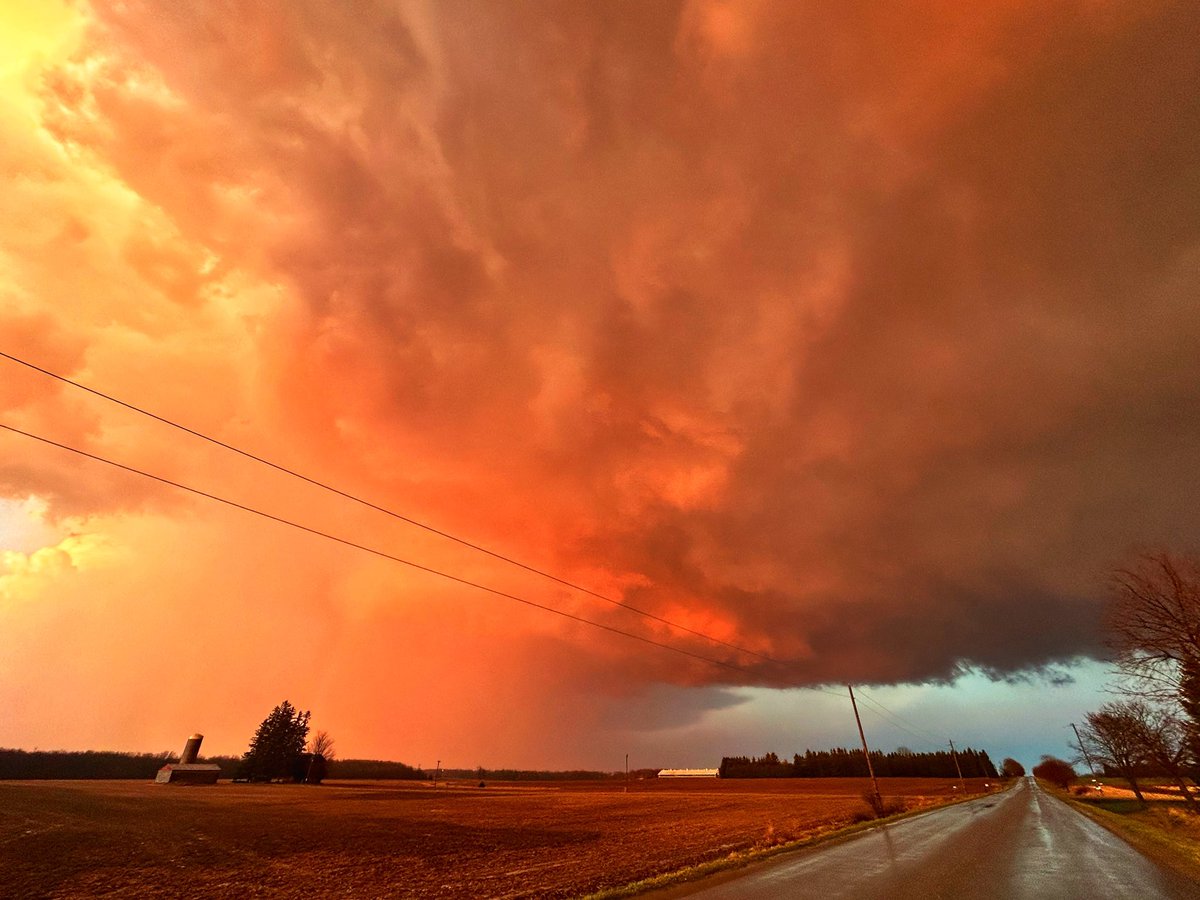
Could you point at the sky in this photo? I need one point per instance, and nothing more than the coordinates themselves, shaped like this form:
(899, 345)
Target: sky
(860, 340)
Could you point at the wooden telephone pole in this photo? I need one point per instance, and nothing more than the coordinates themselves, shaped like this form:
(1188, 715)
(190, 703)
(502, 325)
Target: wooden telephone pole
(962, 784)
(867, 753)
(1086, 755)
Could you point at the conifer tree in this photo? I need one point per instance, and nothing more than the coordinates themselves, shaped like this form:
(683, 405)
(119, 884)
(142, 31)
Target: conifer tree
(277, 748)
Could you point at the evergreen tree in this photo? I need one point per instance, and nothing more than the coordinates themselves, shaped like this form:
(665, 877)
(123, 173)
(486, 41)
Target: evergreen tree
(277, 747)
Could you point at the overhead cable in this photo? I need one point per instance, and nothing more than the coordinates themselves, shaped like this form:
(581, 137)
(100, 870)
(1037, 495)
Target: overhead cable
(377, 552)
(315, 482)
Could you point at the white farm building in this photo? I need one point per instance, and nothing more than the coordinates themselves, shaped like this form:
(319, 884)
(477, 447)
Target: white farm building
(688, 773)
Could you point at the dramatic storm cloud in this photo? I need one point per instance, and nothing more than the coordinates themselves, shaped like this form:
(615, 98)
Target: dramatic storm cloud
(863, 338)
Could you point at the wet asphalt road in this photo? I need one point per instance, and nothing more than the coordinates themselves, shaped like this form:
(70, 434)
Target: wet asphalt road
(1020, 844)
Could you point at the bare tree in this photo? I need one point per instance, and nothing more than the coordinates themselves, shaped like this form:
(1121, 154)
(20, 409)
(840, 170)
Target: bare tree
(1010, 768)
(1114, 736)
(1056, 771)
(1164, 740)
(322, 745)
(1155, 624)
(320, 753)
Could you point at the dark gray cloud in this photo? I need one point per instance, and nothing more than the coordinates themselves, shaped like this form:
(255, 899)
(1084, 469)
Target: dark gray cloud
(867, 339)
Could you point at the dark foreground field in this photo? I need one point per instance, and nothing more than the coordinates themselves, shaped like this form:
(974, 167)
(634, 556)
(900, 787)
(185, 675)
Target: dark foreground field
(387, 839)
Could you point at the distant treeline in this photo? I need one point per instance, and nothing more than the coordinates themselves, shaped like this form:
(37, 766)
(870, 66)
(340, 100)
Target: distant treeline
(531, 775)
(110, 764)
(842, 763)
(68, 764)
(374, 769)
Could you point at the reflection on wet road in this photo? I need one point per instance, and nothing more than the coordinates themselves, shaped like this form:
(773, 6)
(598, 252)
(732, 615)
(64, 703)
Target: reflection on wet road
(1020, 844)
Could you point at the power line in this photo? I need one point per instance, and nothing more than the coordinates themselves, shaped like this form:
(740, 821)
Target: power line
(898, 719)
(883, 711)
(400, 516)
(897, 724)
(423, 568)
(921, 739)
(376, 552)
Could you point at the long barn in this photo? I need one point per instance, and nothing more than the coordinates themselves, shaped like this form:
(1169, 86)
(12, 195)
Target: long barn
(688, 773)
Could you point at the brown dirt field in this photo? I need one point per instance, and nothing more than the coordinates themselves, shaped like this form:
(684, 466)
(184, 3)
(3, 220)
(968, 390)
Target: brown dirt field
(398, 839)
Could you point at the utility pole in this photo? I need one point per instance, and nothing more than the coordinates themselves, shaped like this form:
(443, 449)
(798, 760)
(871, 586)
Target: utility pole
(437, 772)
(627, 773)
(1086, 755)
(958, 768)
(866, 753)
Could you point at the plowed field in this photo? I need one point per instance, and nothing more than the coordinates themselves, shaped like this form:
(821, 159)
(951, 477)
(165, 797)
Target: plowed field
(388, 839)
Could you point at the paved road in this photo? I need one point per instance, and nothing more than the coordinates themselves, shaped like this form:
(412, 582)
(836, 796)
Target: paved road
(1020, 844)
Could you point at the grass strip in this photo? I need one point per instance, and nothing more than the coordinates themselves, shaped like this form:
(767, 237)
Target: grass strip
(1152, 830)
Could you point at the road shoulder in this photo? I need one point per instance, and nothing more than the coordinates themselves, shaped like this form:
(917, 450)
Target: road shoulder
(1150, 841)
